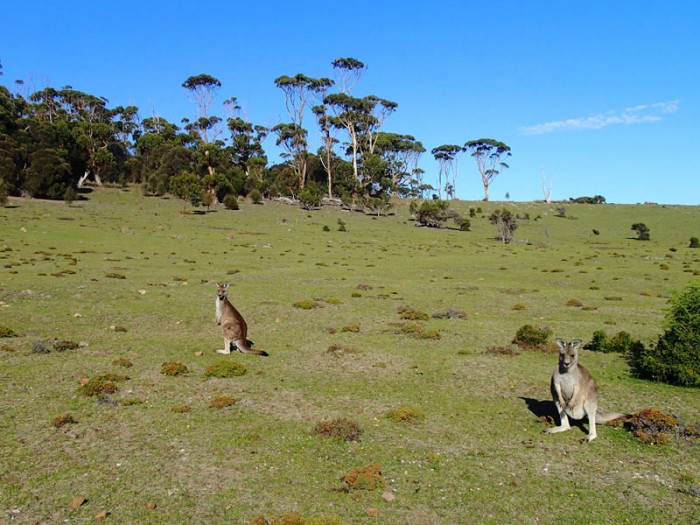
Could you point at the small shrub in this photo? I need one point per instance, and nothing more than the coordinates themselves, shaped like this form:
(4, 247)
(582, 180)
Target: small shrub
(7, 332)
(412, 314)
(339, 350)
(307, 304)
(131, 401)
(326, 228)
(429, 334)
(104, 384)
(310, 198)
(411, 328)
(222, 402)
(63, 420)
(174, 368)
(694, 243)
(225, 369)
(406, 415)
(341, 225)
(231, 202)
(255, 196)
(620, 343)
(115, 275)
(180, 409)
(123, 361)
(452, 313)
(574, 302)
(506, 224)
(341, 429)
(365, 287)
(364, 478)
(532, 337)
(502, 350)
(350, 328)
(518, 307)
(62, 346)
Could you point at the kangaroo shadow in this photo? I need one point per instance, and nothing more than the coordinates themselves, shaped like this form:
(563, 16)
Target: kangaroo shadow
(546, 411)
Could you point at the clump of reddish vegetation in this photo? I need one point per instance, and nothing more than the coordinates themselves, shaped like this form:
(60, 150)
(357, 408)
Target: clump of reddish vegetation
(222, 402)
(655, 427)
(63, 420)
(364, 478)
(180, 409)
(406, 415)
(341, 429)
(174, 368)
(98, 385)
(124, 362)
(293, 518)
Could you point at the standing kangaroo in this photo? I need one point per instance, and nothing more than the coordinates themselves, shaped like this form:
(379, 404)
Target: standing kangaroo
(575, 392)
(232, 324)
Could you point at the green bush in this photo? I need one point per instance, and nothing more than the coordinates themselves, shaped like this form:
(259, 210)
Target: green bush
(532, 337)
(255, 196)
(231, 202)
(310, 198)
(694, 242)
(642, 231)
(224, 369)
(435, 213)
(675, 358)
(620, 343)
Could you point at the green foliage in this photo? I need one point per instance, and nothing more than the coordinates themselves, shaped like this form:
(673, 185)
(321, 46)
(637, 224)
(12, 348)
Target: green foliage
(675, 358)
(231, 202)
(310, 198)
(225, 369)
(406, 414)
(187, 187)
(104, 384)
(643, 232)
(532, 337)
(255, 196)
(307, 304)
(621, 343)
(7, 332)
(435, 213)
(506, 224)
(694, 243)
(62, 421)
(412, 314)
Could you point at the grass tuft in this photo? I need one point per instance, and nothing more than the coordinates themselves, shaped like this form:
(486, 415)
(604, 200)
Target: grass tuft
(225, 369)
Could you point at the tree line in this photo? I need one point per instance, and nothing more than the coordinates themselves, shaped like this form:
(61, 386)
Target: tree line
(54, 140)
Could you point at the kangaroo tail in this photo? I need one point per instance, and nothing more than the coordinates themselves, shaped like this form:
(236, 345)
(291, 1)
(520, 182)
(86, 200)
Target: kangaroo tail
(603, 418)
(242, 345)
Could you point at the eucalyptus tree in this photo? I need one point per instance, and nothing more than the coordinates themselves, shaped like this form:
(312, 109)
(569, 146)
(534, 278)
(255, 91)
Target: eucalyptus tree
(325, 153)
(299, 91)
(292, 139)
(488, 154)
(202, 89)
(348, 72)
(446, 156)
(401, 154)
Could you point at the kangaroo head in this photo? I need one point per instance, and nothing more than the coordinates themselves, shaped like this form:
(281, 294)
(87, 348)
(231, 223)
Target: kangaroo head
(222, 290)
(568, 353)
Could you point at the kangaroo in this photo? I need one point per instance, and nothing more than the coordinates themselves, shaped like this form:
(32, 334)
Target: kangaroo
(232, 324)
(575, 392)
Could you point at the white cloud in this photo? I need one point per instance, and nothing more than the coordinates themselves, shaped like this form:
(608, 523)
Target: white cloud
(634, 115)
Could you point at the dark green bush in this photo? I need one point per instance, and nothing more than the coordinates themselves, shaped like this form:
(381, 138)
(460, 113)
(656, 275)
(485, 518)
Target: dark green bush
(620, 343)
(435, 213)
(231, 202)
(310, 198)
(694, 242)
(675, 358)
(532, 337)
(642, 231)
(255, 196)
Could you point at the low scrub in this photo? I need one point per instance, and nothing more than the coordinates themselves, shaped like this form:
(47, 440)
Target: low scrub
(225, 369)
(531, 337)
(174, 368)
(341, 429)
(364, 478)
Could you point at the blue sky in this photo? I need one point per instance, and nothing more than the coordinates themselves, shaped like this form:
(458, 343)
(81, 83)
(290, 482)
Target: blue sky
(600, 97)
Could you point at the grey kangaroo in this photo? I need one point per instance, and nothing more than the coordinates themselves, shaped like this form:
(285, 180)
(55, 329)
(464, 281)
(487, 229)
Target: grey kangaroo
(575, 392)
(232, 324)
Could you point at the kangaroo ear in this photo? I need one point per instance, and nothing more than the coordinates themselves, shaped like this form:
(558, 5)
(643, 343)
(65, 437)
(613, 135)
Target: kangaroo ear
(576, 343)
(561, 343)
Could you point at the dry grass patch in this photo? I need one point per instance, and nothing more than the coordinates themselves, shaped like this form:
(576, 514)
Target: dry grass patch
(341, 429)
(222, 402)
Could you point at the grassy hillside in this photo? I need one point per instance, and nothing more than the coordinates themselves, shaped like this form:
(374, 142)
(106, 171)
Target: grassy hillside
(131, 278)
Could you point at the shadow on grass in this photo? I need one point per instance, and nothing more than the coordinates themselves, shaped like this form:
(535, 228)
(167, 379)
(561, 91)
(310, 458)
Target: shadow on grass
(546, 411)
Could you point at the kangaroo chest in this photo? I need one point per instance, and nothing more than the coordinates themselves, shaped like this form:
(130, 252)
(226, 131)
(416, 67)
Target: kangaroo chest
(567, 383)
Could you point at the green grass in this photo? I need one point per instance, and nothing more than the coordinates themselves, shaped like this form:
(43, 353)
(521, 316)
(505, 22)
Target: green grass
(478, 450)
